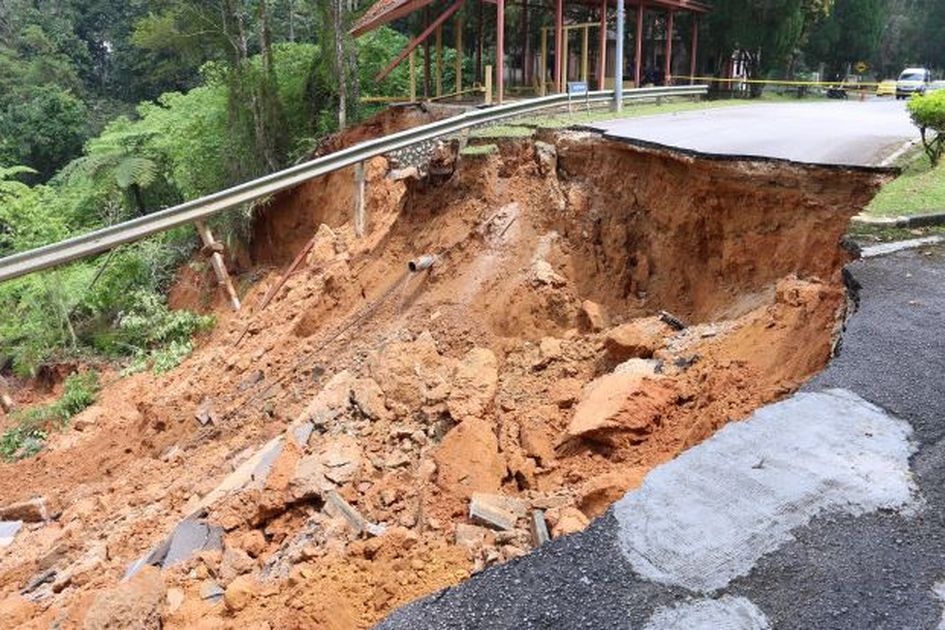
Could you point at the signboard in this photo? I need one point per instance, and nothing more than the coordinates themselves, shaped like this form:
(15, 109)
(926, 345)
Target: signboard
(862, 67)
(578, 88)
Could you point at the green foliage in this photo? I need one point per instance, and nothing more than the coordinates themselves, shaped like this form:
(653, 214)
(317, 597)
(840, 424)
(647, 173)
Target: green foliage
(43, 128)
(158, 336)
(32, 425)
(928, 114)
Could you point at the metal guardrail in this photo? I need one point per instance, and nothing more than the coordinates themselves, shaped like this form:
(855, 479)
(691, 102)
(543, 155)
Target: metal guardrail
(198, 209)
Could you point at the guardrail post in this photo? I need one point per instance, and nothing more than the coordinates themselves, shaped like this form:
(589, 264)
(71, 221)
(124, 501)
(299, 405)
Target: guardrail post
(359, 218)
(488, 85)
(216, 261)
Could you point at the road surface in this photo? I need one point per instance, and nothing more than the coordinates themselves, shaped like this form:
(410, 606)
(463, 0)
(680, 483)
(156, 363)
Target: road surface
(828, 132)
(826, 510)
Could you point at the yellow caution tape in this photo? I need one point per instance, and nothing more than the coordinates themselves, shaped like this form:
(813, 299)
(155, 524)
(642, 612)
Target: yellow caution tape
(796, 83)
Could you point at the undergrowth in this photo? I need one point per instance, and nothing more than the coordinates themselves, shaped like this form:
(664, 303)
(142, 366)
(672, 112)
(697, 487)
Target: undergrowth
(34, 424)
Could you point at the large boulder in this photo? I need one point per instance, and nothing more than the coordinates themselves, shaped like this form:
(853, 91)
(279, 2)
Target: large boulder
(412, 374)
(620, 403)
(637, 339)
(468, 459)
(475, 382)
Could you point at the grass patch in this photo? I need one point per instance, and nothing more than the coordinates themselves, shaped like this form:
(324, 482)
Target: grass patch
(502, 131)
(33, 425)
(479, 149)
(920, 189)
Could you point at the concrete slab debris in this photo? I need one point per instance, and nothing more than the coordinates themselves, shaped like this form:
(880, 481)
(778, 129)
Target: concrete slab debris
(539, 528)
(728, 612)
(190, 537)
(898, 246)
(706, 517)
(210, 590)
(357, 522)
(482, 510)
(8, 531)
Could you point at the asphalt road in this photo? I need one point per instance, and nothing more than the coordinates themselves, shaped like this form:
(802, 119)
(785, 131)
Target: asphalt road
(850, 133)
(847, 523)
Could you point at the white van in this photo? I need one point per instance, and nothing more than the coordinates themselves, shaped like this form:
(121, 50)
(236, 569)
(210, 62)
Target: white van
(912, 81)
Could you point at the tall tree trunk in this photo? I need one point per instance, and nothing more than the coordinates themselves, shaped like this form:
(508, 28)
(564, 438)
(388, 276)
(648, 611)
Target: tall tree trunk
(139, 199)
(291, 20)
(340, 65)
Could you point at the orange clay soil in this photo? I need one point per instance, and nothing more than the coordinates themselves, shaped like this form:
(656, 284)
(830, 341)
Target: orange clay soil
(526, 362)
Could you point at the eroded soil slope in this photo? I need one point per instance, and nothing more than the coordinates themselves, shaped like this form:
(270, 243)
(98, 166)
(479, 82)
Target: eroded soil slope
(526, 369)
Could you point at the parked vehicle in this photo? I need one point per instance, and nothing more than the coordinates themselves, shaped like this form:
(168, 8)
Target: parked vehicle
(886, 88)
(913, 81)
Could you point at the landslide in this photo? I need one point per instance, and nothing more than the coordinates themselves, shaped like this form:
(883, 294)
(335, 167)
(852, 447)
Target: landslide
(529, 361)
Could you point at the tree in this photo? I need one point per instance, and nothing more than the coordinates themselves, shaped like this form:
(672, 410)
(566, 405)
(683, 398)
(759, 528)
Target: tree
(851, 34)
(766, 33)
(928, 114)
(117, 158)
(43, 128)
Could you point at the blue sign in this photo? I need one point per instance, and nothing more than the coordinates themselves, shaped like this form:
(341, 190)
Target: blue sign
(577, 87)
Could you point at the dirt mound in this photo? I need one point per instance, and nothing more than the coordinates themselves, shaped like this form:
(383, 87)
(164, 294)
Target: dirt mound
(376, 434)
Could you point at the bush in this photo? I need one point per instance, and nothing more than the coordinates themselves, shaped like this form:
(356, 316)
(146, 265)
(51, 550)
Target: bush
(33, 425)
(928, 114)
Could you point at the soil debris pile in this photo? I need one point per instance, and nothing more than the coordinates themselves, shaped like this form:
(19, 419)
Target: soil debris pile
(375, 434)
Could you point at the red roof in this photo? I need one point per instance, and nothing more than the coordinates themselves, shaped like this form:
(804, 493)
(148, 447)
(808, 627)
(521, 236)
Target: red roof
(386, 11)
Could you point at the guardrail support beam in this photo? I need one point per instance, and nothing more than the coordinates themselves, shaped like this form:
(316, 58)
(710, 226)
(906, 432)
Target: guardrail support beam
(668, 62)
(359, 218)
(692, 50)
(216, 261)
(488, 85)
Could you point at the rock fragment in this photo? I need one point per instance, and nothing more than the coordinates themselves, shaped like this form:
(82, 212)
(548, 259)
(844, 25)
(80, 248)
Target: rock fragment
(137, 603)
(639, 339)
(239, 593)
(31, 511)
(592, 316)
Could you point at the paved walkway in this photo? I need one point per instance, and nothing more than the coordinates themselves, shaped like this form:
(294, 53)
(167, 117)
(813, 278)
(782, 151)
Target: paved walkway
(831, 132)
(826, 510)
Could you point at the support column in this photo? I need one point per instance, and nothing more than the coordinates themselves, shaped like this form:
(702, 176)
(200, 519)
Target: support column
(479, 43)
(216, 261)
(584, 46)
(459, 56)
(559, 19)
(426, 54)
(500, 50)
(526, 66)
(693, 48)
(413, 77)
(359, 218)
(543, 64)
(439, 60)
(618, 60)
(638, 63)
(668, 62)
(564, 59)
(602, 57)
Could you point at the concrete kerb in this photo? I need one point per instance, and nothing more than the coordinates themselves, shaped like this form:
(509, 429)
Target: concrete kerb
(931, 219)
